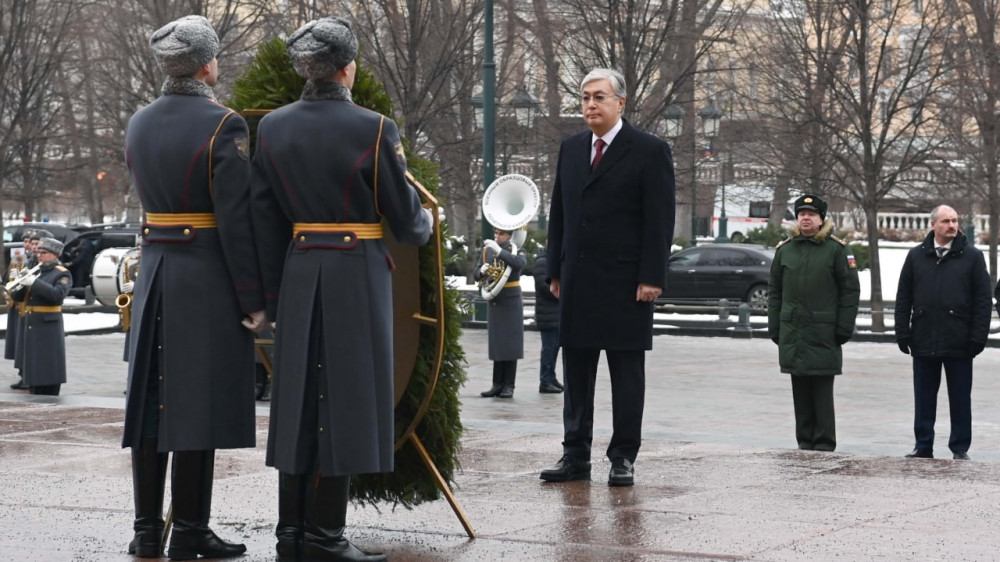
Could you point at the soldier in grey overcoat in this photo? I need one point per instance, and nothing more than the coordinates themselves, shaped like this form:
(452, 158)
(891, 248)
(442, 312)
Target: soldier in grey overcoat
(504, 315)
(191, 367)
(14, 317)
(326, 174)
(42, 335)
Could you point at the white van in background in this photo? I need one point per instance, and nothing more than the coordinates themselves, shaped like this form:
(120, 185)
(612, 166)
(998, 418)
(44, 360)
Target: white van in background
(747, 208)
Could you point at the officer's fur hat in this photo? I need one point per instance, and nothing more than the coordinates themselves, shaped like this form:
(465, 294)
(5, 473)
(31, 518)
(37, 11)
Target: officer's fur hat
(322, 47)
(51, 245)
(810, 203)
(39, 234)
(183, 46)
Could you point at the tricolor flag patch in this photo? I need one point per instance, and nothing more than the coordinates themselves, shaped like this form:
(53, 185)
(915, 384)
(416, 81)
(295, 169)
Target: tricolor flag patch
(851, 262)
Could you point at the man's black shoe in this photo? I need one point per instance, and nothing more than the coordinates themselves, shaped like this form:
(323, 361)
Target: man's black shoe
(493, 391)
(920, 454)
(549, 388)
(557, 384)
(622, 472)
(961, 456)
(568, 468)
(506, 392)
(19, 385)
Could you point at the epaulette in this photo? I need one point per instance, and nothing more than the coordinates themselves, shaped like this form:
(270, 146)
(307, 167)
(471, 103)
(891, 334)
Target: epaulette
(838, 240)
(782, 243)
(61, 268)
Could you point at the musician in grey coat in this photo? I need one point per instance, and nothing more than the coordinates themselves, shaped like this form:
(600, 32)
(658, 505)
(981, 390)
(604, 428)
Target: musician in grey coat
(191, 367)
(504, 315)
(326, 175)
(42, 335)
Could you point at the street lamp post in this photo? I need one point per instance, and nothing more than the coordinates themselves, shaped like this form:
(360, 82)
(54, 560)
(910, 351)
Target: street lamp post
(673, 115)
(489, 110)
(711, 117)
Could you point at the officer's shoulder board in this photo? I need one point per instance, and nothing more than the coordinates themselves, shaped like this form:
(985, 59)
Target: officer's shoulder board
(782, 243)
(840, 241)
(61, 268)
(851, 262)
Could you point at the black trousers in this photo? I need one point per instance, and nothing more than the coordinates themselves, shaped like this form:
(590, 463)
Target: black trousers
(926, 383)
(815, 420)
(628, 396)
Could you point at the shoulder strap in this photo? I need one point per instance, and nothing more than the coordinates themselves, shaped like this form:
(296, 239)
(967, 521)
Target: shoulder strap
(211, 150)
(378, 146)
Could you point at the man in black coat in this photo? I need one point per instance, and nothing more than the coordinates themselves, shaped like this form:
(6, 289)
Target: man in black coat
(611, 224)
(943, 309)
(197, 299)
(547, 321)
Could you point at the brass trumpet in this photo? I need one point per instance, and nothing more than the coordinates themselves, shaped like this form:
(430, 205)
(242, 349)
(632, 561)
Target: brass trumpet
(14, 284)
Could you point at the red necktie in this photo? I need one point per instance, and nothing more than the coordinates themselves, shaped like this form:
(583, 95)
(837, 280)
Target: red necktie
(599, 145)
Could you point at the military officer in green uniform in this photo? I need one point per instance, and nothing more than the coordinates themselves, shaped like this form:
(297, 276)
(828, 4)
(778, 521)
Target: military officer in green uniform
(42, 335)
(812, 304)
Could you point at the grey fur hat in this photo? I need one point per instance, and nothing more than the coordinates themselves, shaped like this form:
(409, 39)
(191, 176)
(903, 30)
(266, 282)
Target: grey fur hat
(183, 46)
(322, 47)
(51, 245)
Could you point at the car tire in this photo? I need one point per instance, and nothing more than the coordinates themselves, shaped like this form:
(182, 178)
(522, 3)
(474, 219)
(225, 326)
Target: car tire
(757, 297)
(737, 238)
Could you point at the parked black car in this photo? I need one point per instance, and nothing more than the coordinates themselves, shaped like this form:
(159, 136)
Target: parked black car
(13, 235)
(702, 274)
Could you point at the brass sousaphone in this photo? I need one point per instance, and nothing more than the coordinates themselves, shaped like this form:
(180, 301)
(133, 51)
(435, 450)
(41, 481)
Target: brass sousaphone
(509, 204)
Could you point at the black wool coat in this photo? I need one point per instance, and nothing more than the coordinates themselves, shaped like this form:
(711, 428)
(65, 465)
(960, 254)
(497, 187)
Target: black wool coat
(943, 305)
(609, 231)
(546, 304)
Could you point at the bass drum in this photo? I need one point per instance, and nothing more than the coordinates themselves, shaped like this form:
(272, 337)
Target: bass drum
(110, 276)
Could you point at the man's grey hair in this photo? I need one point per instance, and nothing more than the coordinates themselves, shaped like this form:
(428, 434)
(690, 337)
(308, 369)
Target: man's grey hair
(616, 78)
(937, 210)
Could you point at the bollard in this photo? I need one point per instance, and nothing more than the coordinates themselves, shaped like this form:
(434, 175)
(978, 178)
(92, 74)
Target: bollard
(743, 313)
(723, 310)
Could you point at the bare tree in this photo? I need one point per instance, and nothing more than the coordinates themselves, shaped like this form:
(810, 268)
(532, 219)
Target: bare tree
(975, 96)
(33, 41)
(886, 113)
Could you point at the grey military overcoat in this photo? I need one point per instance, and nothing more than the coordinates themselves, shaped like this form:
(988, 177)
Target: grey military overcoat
(188, 154)
(505, 312)
(43, 337)
(331, 292)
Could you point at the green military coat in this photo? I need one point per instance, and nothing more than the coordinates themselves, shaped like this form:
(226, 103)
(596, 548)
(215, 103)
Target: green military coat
(813, 298)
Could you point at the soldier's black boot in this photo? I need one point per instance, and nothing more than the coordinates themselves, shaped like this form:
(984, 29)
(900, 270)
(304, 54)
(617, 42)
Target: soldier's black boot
(191, 487)
(497, 381)
(149, 473)
(509, 374)
(326, 517)
(291, 516)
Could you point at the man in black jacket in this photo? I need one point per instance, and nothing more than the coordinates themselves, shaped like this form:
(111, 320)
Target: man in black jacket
(547, 321)
(943, 310)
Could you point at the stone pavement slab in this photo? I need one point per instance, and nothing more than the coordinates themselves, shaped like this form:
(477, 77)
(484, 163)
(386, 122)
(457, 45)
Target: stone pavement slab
(717, 478)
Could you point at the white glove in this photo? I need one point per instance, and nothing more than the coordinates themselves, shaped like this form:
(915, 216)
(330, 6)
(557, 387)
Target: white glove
(430, 215)
(29, 280)
(492, 244)
(440, 214)
(254, 321)
(484, 268)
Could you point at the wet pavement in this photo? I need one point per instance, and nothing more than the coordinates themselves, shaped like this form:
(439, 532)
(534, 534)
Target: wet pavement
(718, 477)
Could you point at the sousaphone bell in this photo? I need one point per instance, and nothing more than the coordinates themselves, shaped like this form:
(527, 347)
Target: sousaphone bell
(509, 204)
